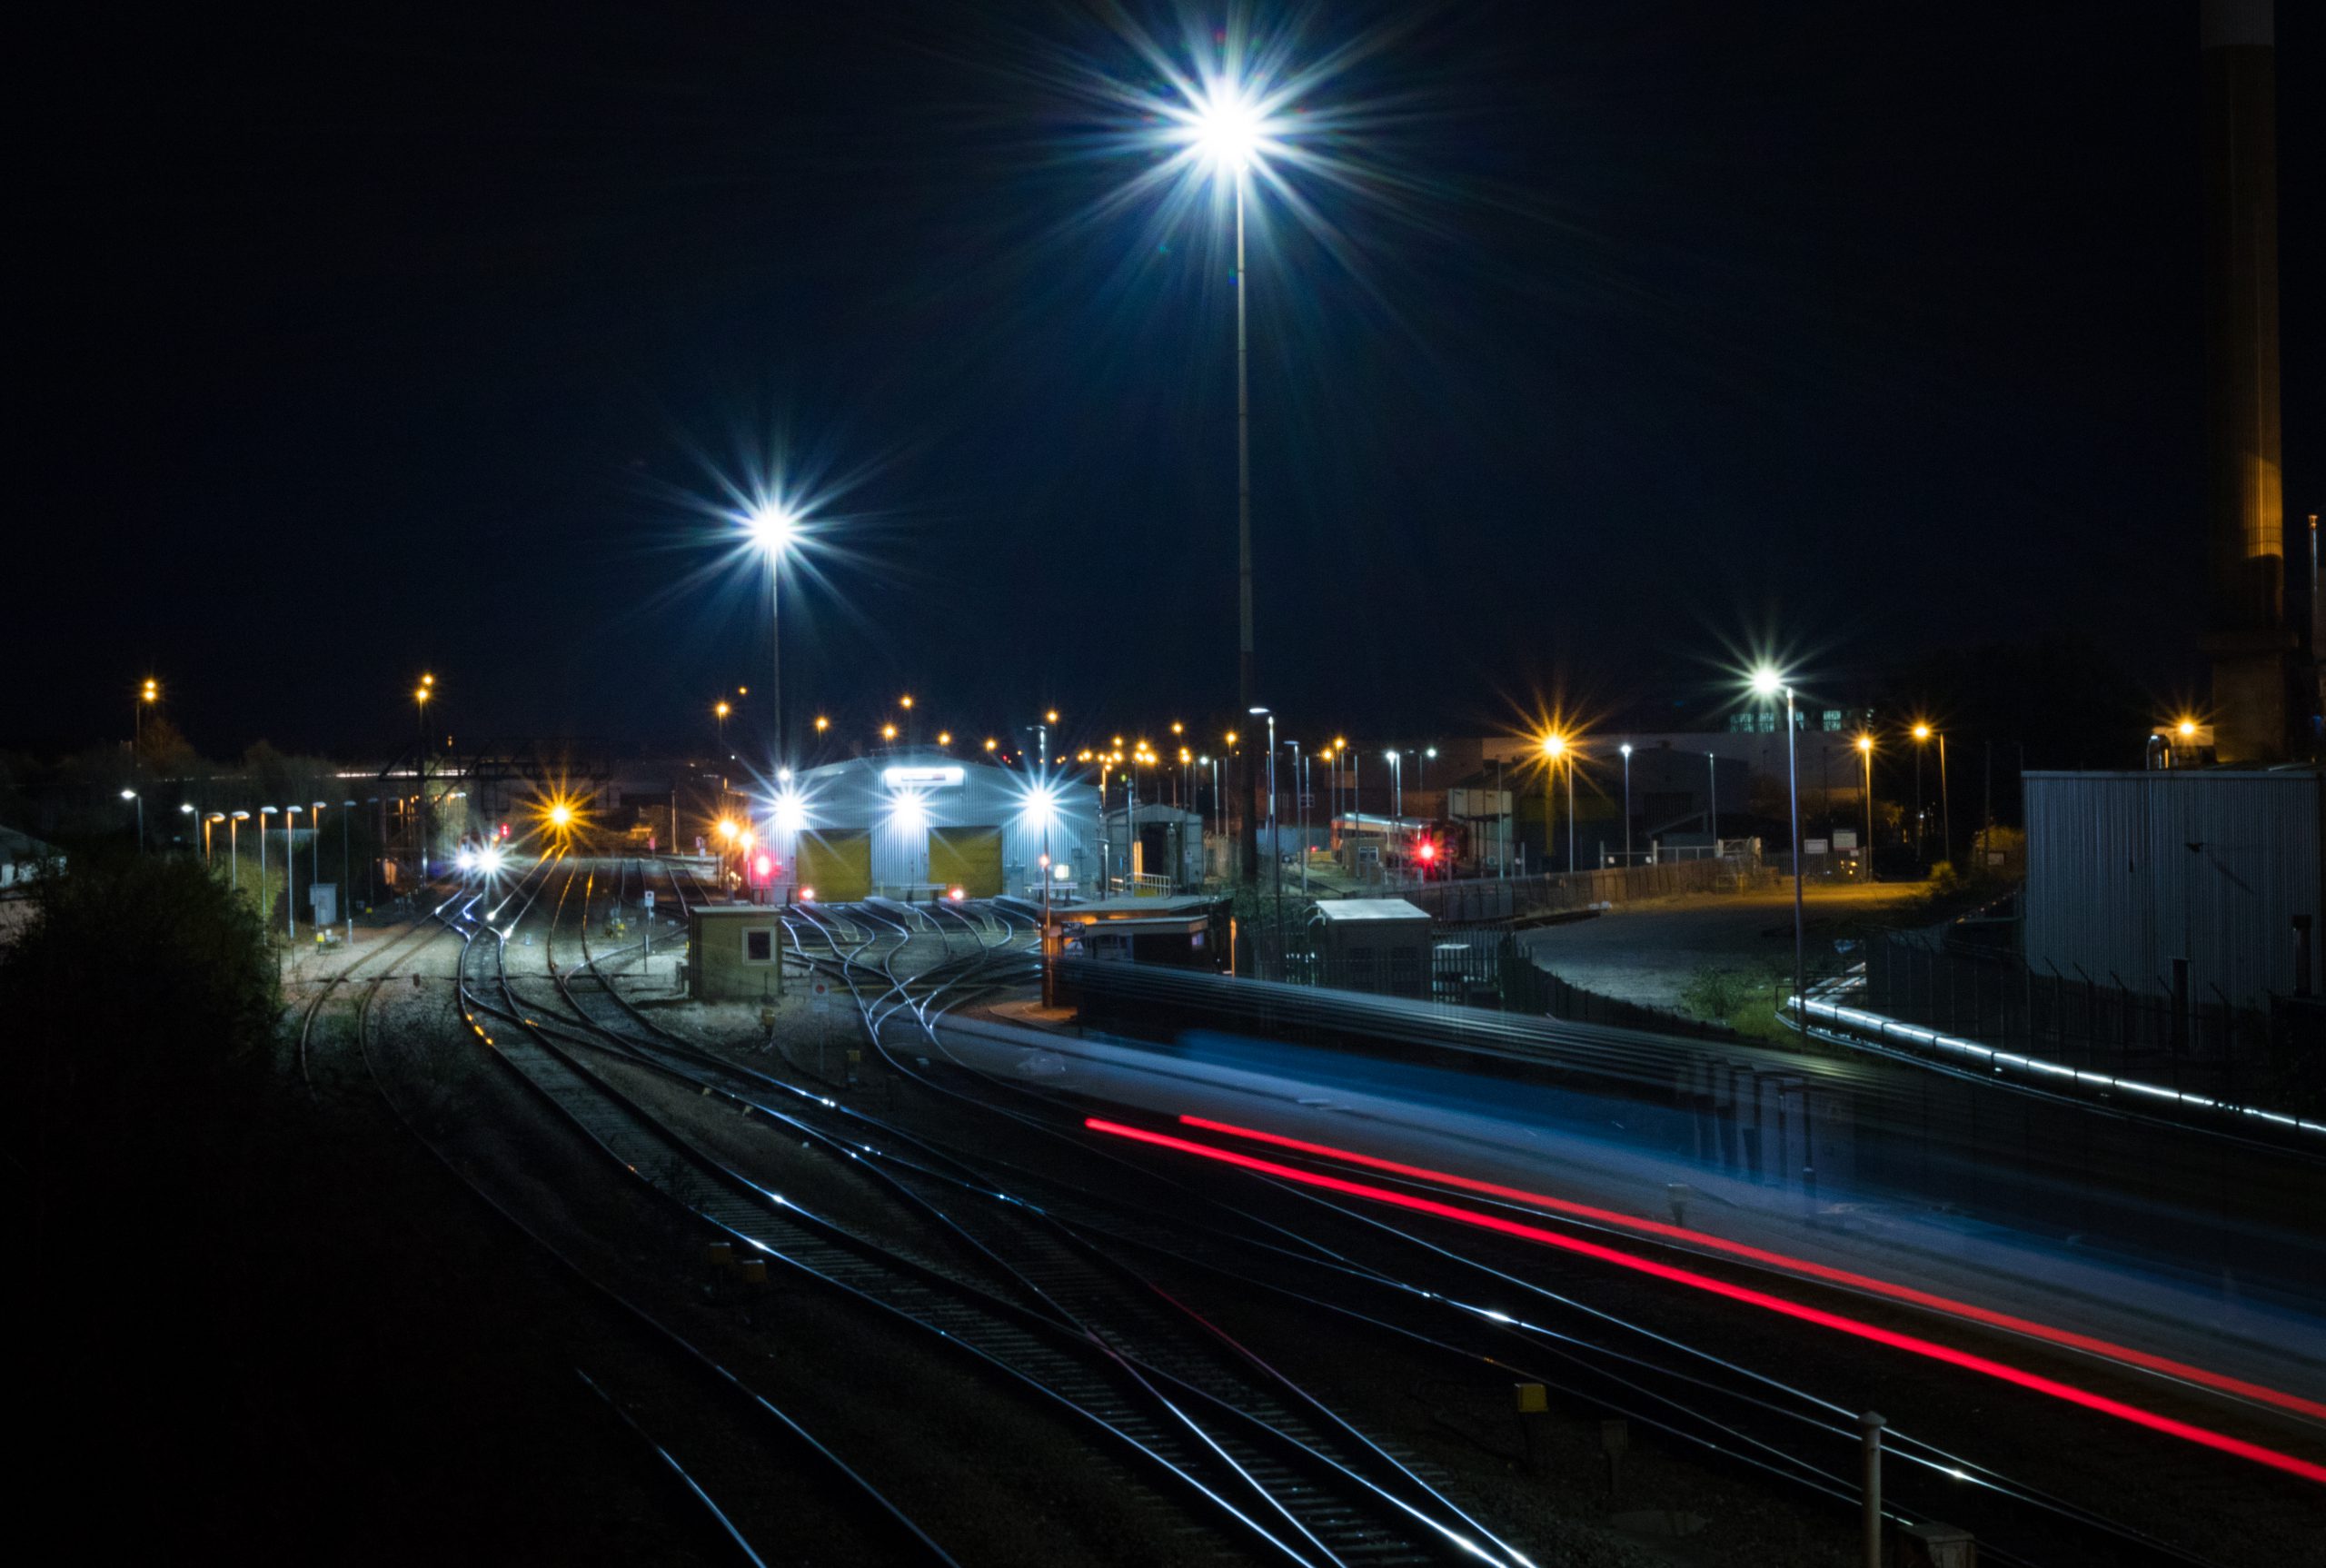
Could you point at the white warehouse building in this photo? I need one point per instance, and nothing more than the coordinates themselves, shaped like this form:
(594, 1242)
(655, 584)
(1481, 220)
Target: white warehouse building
(911, 824)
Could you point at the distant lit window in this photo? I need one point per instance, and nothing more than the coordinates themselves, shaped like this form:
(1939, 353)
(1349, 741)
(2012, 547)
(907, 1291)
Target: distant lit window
(1833, 719)
(1740, 724)
(1768, 725)
(759, 947)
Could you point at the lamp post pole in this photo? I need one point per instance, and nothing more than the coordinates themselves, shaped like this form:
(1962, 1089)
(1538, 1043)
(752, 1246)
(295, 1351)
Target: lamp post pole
(264, 813)
(1793, 788)
(234, 850)
(1712, 802)
(1570, 811)
(1945, 809)
(140, 799)
(1628, 804)
(290, 876)
(1865, 749)
(1244, 671)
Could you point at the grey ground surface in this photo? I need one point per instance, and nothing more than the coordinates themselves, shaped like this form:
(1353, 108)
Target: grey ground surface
(1648, 952)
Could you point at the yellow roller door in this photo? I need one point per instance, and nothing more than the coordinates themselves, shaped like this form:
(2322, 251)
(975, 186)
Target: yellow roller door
(837, 865)
(969, 858)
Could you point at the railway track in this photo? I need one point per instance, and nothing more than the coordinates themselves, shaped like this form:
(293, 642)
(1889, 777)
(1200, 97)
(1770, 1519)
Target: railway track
(1612, 1360)
(1051, 1245)
(1219, 1426)
(891, 1534)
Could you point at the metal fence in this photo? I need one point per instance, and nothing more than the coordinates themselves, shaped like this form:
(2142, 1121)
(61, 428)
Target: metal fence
(2186, 1042)
(1476, 967)
(1562, 892)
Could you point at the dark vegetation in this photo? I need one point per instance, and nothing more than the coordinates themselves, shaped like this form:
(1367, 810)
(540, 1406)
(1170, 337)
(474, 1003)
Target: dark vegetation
(263, 1329)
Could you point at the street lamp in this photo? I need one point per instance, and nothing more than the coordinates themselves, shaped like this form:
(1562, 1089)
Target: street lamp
(426, 689)
(134, 795)
(264, 813)
(185, 808)
(773, 528)
(1865, 753)
(720, 710)
(1626, 750)
(1768, 684)
(290, 875)
(1555, 749)
(212, 818)
(1226, 128)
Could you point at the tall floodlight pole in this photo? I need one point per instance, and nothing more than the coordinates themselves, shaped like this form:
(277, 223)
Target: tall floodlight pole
(426, 689)
(1768, 683)
(1628, 804)
(1553, 749)
(234, 850)
(773, 527)
(1921, 733)
(134, 795)
(1570, 811)
(1712, 802)
(1866, 752)
(290, 875)
(264, 813)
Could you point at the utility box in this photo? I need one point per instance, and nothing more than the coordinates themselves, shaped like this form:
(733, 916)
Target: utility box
(1377, 944)
(323, 898)
(1937, 1546)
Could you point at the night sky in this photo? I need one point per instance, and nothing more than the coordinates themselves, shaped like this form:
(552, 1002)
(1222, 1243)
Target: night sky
(361, 341)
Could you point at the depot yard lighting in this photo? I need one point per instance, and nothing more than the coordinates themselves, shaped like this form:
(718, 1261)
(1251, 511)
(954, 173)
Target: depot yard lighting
(1626, 750)
(1769, 683)
(134, 795)
(773, 528)
(1866, 755)
(1227, 127)
(1924, 732)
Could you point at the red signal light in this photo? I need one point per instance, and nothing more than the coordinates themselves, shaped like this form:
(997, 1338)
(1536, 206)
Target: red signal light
(763, 867)
(1429, 850)
(504, 829)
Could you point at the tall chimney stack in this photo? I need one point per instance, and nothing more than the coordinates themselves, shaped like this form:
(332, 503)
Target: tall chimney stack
(2245, 628)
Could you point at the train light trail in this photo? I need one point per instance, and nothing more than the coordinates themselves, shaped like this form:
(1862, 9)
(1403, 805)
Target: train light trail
(1841, 1276)
(2306, 1469)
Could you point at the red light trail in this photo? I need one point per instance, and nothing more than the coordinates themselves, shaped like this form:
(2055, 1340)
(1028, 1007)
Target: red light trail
(2069, 1392)
(2062, 1337)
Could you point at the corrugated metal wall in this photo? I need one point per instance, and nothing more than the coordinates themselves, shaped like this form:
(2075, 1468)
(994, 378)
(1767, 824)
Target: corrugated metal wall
(2128, 871)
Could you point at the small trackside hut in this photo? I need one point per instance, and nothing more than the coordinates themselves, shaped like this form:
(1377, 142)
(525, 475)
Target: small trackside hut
(732, 951)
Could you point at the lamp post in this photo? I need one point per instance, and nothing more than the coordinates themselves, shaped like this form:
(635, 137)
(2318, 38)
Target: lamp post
(346, 867)
(1921, 733)
(234, 850)
(134, 795)
(1628, 804)
(1555, 748)
(1768, 683)
(147, 695)
(1865, 754)
(773, 528)
(207, 821)
(185, 808)
(290, 875)
(426, 689)
(718, 711)
(264, 813)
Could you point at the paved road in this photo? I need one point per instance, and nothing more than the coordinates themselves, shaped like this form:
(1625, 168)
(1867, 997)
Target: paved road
(1648, 952)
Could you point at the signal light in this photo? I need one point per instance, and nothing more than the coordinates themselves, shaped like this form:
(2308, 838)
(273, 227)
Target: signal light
(763, 869)
(955, 893)
(504, 829)
(1428, 850)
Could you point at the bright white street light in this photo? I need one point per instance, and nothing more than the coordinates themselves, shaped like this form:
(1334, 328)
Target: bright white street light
(1227, 127)
(771, 527)
(1767, 681)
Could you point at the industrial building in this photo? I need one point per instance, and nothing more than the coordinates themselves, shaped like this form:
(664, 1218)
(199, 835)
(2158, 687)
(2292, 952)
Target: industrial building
(922, 823)
(2202, 883)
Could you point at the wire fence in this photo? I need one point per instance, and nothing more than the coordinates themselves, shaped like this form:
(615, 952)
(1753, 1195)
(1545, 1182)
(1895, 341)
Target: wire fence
(2191, 1043)
(1476, 967)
